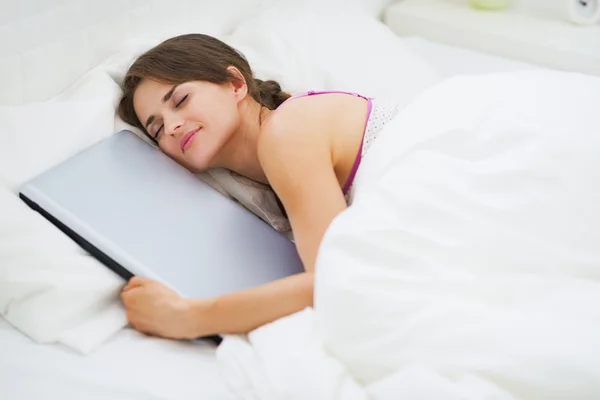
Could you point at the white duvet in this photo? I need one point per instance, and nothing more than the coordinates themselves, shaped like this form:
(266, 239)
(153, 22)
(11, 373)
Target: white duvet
(468, 265)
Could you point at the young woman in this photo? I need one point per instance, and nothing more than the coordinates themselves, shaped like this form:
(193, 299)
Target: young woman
(197, 99)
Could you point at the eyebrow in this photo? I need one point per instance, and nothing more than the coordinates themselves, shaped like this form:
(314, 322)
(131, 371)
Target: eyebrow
(165, 98)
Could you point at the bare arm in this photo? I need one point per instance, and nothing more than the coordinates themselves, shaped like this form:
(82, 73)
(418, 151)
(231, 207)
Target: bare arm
(298, 164)
(155, 309)
(296, 158)
(244, 311)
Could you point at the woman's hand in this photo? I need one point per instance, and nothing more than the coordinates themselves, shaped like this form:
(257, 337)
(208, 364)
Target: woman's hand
(157, 310)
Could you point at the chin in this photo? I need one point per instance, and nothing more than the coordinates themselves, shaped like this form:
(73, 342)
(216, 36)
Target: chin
(185, 161)
(198, 161)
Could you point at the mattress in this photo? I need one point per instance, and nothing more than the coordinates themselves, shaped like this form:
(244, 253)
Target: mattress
(134, 366)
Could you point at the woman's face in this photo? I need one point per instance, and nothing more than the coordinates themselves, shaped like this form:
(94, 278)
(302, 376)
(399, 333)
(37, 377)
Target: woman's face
(191, 121)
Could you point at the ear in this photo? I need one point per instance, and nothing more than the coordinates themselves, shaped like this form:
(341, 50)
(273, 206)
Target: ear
(240, 87)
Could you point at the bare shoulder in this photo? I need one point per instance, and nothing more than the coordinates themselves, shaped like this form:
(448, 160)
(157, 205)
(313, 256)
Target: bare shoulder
(295, 125)
(312, 133)
(294, 147)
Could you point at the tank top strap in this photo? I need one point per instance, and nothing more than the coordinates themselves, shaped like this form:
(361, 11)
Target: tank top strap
(314, 92)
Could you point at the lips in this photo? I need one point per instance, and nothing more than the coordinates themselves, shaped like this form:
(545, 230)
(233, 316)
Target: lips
(188, 139)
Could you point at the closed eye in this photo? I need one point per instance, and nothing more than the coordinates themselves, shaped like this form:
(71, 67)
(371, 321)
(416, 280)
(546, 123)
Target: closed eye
(158, 132)
(181, 101)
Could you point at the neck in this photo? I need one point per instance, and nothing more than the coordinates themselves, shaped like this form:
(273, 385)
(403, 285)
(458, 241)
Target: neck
(240, 153)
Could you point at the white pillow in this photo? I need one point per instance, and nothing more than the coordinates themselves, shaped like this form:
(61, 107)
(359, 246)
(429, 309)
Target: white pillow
(81, 116)
(50, 288)
(321, 45)
(48, 44)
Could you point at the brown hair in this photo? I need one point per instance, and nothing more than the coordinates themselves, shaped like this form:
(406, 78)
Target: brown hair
(193, 57)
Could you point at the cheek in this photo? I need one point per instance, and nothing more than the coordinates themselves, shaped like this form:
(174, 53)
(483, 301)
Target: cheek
(221, 120)
(171, 148)
(230, 117)
(218, 111)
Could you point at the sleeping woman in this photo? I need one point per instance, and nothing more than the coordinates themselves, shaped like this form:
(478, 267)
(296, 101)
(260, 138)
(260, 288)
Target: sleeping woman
(197, 99)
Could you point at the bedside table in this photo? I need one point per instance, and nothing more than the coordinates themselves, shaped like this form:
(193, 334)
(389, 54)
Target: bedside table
(541, 39)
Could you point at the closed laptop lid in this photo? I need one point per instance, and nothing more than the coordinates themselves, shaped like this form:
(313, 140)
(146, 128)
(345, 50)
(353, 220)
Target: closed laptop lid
(141, 211)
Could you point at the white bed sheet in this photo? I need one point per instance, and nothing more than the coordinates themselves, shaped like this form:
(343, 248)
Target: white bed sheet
(132, 366)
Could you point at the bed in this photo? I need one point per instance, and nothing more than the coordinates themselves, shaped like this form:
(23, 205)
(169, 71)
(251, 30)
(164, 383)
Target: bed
(132, 366)
(129, 365)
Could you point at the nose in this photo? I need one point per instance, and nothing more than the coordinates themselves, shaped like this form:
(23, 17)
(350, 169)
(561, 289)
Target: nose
(173, 124)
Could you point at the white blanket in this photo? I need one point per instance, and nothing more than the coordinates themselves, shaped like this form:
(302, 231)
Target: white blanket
(468, 265)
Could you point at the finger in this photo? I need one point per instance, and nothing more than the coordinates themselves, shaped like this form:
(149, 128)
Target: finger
(125, 295)
(138, 324)
(128, 296)
(134, 282)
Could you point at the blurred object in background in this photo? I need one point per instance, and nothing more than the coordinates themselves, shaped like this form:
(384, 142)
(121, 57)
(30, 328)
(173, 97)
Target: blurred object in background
(583, 12)
(490, 4)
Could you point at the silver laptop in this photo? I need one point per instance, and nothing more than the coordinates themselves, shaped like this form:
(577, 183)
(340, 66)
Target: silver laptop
(141, 213)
